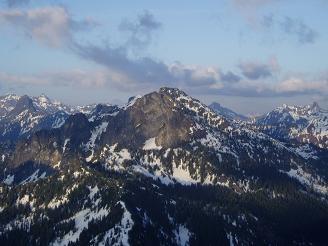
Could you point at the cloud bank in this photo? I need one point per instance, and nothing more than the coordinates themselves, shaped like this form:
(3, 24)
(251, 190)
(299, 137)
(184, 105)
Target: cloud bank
(141, 30)
(53, 26)
(15, 3)
(298, 28)
(251, 11)
(256, 70)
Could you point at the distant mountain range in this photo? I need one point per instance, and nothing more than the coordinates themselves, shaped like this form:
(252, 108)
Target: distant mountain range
(225, 112)
(164, 169)
(298, 124)
(308, 124)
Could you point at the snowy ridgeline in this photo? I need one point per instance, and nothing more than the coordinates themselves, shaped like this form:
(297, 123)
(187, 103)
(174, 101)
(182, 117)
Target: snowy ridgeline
(151, 164)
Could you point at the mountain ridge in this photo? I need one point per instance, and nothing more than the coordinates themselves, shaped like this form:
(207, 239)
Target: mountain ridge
(164, 162)
(228, 113)
(305, 124)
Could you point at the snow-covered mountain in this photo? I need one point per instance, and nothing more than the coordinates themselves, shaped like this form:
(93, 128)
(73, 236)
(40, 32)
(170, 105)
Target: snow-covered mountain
(7, 103)
(226, 112)
(307, 124)
(41, 103)
(22, 115)
(164, 169)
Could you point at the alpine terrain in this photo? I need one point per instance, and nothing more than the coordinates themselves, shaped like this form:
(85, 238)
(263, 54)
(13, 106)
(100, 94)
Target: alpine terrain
(163, 169)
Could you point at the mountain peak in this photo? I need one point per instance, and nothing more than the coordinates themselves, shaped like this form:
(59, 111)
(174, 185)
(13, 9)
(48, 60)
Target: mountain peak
(315, 107)
(23, 103)
(43, 101)
(226, 112)
(11, 96)
(44, 97)
(172, 91)
(166, 146)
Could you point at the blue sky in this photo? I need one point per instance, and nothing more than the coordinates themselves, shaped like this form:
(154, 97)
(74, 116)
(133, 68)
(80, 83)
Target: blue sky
(248, 55)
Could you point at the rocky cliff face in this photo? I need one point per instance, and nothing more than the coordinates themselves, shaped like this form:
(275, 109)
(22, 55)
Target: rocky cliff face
(49, 146)
(151, 116)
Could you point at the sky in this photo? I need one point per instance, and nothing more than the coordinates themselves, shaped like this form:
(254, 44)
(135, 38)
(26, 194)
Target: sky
(248, 55)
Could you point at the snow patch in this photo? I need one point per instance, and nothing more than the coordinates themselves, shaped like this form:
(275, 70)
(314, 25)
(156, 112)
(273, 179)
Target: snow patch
(114, 159)
(95, 134)
(34, 177)
(182, 175)
(182, 235)
(132, 102)
(82, 220)
(157, 175)
(307, 179)
(122, 229)
(9, 179)
(65, 143)
(151, 144)
(57, 201)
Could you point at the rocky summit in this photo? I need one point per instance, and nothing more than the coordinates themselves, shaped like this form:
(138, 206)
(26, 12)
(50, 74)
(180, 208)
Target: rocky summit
(163, 169)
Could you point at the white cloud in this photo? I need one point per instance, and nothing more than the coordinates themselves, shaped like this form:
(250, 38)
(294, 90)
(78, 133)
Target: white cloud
(258, 70)
(297, 85)
(196, 79)
(77, 77)
(140, 31)
(146, 70)
(55, 27)
(193, 75)
(52, 26)
(250, 9)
